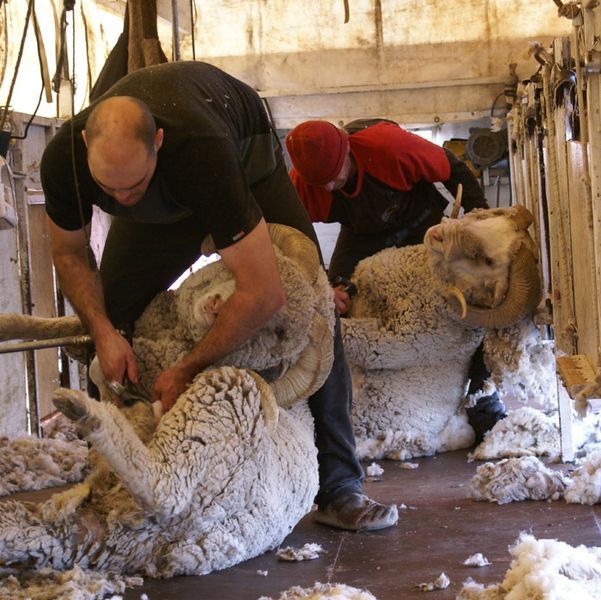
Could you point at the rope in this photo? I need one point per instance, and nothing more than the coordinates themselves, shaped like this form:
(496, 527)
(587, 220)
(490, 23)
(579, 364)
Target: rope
(19, 56)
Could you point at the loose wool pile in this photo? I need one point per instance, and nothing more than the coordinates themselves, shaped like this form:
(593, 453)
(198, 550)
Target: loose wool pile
(324, 591)
(75, 584)
(585, 484)
(516, 479)
(29, 463)
(522, 364)
(525, 432)
(544, 569)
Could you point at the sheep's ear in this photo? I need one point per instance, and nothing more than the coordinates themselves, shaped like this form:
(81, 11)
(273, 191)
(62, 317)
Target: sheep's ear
(521, 217)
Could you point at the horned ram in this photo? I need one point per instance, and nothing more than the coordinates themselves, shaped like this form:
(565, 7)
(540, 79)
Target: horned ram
(419, 315)
(226, 473)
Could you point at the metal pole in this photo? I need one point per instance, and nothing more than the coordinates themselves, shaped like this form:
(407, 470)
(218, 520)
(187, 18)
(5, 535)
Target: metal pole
(176, 55)
(73, 340)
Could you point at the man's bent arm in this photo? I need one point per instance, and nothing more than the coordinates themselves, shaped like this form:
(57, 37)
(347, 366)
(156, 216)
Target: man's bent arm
(259, 294)
(82, 286)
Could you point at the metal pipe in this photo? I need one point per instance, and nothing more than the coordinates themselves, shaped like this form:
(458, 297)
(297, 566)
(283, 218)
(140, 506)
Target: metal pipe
(73, 340)
(175, 29)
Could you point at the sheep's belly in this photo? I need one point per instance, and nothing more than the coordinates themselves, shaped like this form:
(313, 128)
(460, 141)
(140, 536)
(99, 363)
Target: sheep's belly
(403, 413)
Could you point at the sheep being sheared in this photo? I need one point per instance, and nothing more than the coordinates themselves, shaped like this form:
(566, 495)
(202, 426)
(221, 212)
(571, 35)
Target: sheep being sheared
(226, 474)
(419, 315)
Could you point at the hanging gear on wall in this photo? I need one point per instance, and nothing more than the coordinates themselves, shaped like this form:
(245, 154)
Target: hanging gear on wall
(138, 46)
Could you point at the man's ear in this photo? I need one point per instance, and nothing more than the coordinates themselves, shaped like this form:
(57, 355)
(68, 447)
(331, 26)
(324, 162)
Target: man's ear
(83, 135)
(158, 139)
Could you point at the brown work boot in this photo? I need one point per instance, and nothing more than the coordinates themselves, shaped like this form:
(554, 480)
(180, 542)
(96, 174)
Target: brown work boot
(357, 512)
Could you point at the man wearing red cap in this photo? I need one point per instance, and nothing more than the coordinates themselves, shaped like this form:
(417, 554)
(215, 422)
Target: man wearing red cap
(377, 180)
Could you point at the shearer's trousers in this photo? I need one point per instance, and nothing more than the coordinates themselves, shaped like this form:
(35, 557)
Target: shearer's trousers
(140, 260)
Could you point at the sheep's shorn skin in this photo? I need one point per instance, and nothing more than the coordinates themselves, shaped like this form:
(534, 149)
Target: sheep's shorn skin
(218, 483)
(410, 350)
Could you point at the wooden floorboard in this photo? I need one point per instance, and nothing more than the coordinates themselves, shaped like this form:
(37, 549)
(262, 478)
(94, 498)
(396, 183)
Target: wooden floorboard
(437, 531)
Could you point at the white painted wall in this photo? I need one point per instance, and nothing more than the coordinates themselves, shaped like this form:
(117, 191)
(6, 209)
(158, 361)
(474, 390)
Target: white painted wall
(416, 62)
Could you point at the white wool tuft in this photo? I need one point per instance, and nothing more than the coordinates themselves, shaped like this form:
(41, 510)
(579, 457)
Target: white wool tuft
(516, 479)
(546, 569)
(440, 583)
(585, 484)
(324, 591)
(374, 470)
(307, 552)
(524, 432)
(522, 364)
(476, 560)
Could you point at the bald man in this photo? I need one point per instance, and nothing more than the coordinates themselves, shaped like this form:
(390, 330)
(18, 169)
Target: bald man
(176, 152)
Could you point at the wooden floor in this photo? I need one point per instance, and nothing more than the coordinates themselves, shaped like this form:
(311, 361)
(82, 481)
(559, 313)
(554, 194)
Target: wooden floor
(440, 528)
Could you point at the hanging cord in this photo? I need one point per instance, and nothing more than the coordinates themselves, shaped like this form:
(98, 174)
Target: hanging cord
(86, 34)
(62, 66)
(271, 122)
(41, 59)
(192, 24)
(19, 56)
(68, 5)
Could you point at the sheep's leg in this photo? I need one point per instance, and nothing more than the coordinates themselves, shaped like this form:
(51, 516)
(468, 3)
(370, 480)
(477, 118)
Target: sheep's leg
(105, 426)
(149, 474)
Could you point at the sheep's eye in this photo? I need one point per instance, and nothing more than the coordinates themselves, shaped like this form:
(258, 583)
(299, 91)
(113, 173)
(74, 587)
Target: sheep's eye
(489, 261)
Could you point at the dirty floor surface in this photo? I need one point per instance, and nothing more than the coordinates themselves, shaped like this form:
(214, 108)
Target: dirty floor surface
(437, 531)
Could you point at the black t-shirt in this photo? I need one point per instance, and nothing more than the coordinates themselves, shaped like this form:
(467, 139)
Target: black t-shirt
(217, 142)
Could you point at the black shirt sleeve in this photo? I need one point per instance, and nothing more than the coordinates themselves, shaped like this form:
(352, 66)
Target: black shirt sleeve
(209, 179)
(472, 196)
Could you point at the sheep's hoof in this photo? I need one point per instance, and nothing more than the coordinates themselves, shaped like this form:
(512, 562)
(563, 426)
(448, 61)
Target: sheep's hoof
(70, 404)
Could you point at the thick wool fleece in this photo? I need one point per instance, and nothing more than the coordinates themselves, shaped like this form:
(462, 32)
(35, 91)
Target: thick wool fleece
(168, 329)
(516, 479)
(218, 483)
(410, 360)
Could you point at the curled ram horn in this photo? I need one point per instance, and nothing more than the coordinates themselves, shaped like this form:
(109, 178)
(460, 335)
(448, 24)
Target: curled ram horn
(457, 203)
(454, 292)
(293, 243)
(297, 246)
(523, 295)
(311, 369)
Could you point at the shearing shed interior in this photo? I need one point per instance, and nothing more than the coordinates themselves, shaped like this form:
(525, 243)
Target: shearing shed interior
(470, 343)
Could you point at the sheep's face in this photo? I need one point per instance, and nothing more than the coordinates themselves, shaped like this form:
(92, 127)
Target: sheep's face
(206, 307)
(474, 255)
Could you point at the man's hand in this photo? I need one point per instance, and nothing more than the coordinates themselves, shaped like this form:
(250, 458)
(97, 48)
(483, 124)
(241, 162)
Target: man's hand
(342, 299)
(116, 357)
(169, 385)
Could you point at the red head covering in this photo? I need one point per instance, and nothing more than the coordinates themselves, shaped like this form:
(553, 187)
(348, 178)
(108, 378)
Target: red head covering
(317, 150)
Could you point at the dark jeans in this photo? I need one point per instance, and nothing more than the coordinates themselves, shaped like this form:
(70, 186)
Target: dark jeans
(141, 260)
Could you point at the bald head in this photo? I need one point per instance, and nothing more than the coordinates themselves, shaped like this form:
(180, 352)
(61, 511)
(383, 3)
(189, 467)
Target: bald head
(122, 141)
(120, 119)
